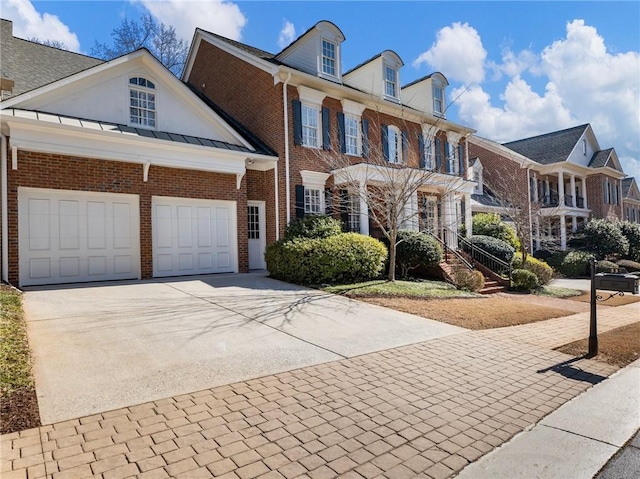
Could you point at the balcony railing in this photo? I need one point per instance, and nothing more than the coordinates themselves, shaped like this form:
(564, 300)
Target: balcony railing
(551, 201)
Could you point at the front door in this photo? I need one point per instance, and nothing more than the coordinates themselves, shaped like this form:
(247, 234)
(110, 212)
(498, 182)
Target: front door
(256, 234)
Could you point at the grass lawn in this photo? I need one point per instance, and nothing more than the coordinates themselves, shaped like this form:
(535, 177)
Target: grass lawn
(618, 347)
(558, 292)
(405, 289)
(18, 404)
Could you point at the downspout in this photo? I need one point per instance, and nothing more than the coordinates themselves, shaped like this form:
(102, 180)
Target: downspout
(277, 201)
(286, 145)
(529, 203)
(5, 210)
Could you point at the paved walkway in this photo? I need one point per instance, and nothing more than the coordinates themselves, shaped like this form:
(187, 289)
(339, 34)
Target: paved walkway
(425, 410)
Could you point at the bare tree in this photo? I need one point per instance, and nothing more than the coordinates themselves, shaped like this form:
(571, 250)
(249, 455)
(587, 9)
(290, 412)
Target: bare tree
(159, 39)
(386, 178)
(50, 43)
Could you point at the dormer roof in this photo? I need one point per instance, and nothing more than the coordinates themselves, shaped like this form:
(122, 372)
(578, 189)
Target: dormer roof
(432, 76)
(321, 27)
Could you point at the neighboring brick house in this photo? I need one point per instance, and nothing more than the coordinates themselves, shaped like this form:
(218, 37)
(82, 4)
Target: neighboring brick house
(557, 180)
(118, 170)
(630, 199)
(301, 104)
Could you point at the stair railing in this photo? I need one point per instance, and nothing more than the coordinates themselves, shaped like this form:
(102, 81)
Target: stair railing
(486, 259)
(447, 250)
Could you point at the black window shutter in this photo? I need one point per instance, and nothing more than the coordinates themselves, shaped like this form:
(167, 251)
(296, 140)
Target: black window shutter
(423, 157)
(405, 147)
(385, 142)
(463, 211)
(328, 201)
(461, 159)
(446, 154)
(326, 129)
(299, 201)
(341, 133)
(438, 155)
(344, 209)
(297, 122)
(365, 138)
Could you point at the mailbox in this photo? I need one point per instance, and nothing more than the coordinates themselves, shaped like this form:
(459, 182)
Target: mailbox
(627, 283)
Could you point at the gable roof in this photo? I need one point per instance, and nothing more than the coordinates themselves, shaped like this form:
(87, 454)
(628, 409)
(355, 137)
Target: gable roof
(600, 158)
(31, 65)
(318, 25)
(627, 184)
(549, 148)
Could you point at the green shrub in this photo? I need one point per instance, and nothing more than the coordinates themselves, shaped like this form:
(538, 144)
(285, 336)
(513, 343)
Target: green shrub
(542, 270)
(313, 226)
(629, 265)
(631, 231)
(606, 267)
(524, 280)
(343, 258)
(555, 259)
(605, 239)
(575, 264)
(494, 246)
(543, 254)
(467, 280)
(414, 250)
(490, 224)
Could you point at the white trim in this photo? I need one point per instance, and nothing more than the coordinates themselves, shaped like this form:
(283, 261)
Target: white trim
(263, 230)
(14, 155)
(5, 208)
(312, 178)
(311, 97)
(352, 108)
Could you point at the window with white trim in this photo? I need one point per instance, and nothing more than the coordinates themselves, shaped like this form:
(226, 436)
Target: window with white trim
(428, 215)
(142, 102)
(452, 162)
(429, 159)
(328, 57)
(353, 220)
(352, 135)
(584, 147)
(390, 82)
(394, 140)
(310, 126)
(438, 99)
(312, 200)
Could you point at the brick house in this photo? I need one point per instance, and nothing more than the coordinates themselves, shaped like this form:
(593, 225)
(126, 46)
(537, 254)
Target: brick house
(556, 180)
(118, 170)
(630, 199)
(304, 107)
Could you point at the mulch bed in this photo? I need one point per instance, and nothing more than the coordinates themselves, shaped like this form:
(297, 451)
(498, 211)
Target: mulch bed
(19, 410)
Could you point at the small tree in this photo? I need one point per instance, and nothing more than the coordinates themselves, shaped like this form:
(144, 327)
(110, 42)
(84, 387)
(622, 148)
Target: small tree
(159, 39)
(631, 231)
(50, 43)
(490, 224)
(605, 239)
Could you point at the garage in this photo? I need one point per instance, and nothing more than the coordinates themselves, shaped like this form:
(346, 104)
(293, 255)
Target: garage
(72, 236)
(192, 236)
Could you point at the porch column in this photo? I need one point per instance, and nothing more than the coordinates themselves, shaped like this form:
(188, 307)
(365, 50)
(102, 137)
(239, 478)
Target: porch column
(449, 219)
(414, 221)
(563, 233)
(547, 190)
(584, 192)
(536, 193)
(572, 182)
(537, 232)
(364, 211)
(574, 224)
(560, 188)
(468, 217)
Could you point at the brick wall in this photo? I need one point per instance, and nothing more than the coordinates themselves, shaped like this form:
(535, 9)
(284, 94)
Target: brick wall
(595, 199)
(42, 170)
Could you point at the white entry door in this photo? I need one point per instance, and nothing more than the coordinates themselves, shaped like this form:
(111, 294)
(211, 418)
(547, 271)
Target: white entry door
(77, 236)
(256, 234)
(193, 236)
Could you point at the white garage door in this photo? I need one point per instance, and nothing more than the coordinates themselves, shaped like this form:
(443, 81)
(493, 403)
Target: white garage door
(71, 236)
(193, 236)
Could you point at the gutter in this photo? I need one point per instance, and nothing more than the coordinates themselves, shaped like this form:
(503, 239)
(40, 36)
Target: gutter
(5, 210)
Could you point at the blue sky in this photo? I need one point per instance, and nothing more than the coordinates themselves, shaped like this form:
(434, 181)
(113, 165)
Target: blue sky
(516, 69)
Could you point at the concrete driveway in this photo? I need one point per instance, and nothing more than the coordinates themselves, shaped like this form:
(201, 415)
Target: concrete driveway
(105, 346)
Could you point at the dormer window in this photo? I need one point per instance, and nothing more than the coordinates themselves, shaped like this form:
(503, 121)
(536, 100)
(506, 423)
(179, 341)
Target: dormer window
(328, 58)
(390, 82)
(438, 99)
(142, 102)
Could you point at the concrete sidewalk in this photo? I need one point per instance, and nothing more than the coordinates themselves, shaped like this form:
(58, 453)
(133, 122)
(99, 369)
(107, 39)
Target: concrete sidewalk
(575, 441)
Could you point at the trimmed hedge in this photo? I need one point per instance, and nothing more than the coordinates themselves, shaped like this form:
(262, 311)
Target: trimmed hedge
(468, 280)
(606, 267)
(313, 226)
(575, 264)
(414, 250)
(629, 265)
(490, 224)
(343, 258)
(542, 270)
(524, 280)
(494, 246)
(605, 239)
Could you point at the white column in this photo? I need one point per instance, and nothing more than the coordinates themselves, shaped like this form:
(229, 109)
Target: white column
(364, 211)
(547, 190)
(584, 191)
(563, 233)
(449, 219)
(560, 189)
(468, 220)
(536, 193)
(572, 183)
(574, 224)
(415, 223)
(537, 232)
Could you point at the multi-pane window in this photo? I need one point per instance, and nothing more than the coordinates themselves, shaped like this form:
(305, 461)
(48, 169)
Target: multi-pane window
(328, 58)
(353, 221)
(428, 215)
(351, 135)
(312, 201)
(395, 148)
(309, 126)
(253, 228)
(390, 82)
(438, 99)
(429, 163)
(452, 163)
(142, 102)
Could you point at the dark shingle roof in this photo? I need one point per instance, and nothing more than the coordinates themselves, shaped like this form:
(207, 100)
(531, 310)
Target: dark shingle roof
(486, 200)
(31, 65)
(548, 148)
(122, 129)
(243, 46)
(600, 158)
(626, 185)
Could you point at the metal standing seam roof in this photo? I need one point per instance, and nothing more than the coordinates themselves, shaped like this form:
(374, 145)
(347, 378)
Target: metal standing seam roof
(549, 148)
(123, 129)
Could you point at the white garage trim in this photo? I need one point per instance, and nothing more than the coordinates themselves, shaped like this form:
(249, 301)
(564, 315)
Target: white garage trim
(77, 236)
(193, 236)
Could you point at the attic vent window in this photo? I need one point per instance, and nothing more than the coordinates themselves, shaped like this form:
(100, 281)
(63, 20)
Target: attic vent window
(328, 58)
(390, 82)
(142, 102)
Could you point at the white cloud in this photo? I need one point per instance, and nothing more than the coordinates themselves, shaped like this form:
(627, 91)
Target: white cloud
(514, 64)
(217, 16)
(287, 34)
(29, 23)
(457, 53)
(631, 166)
